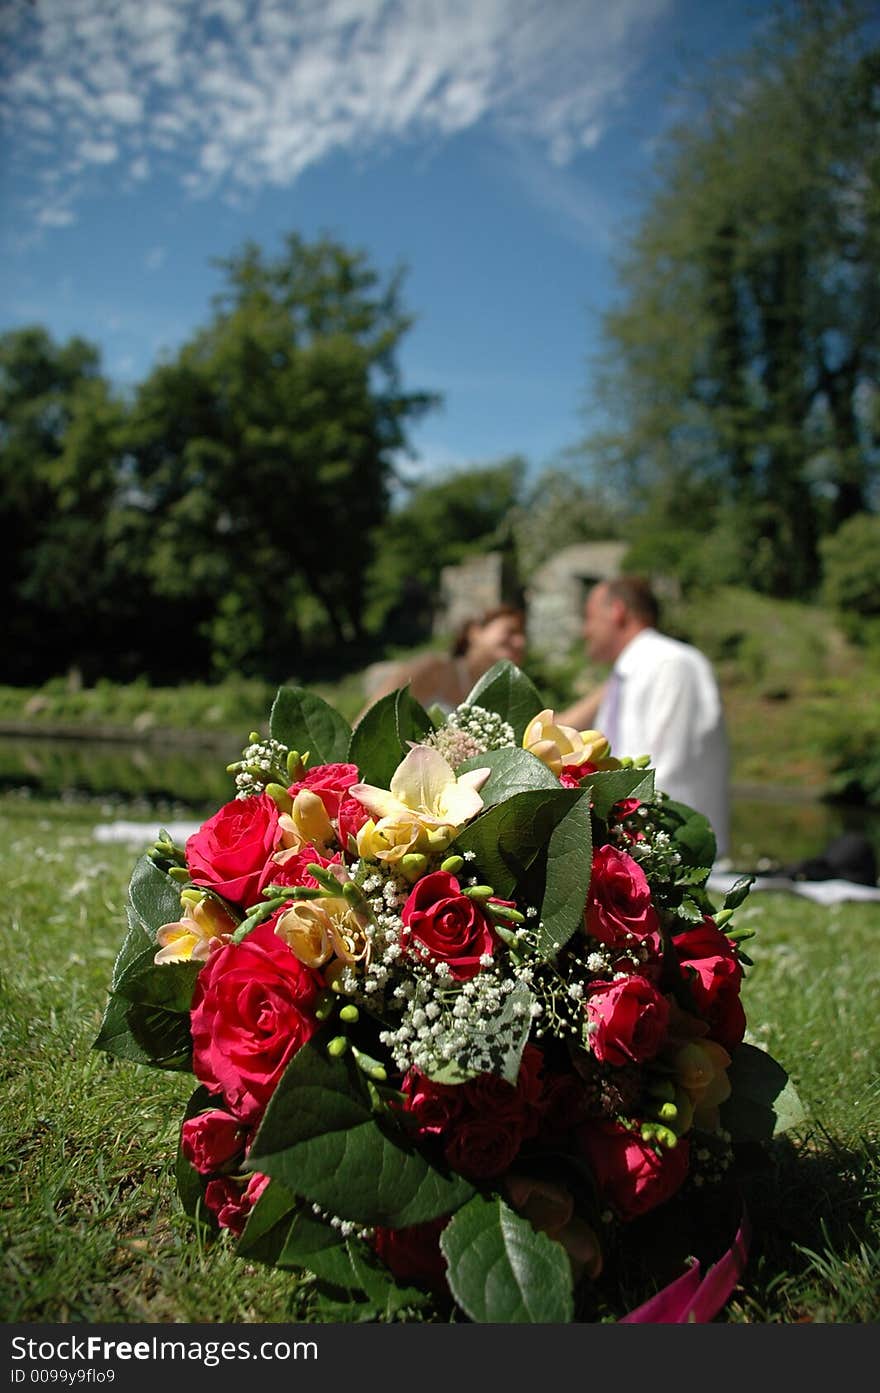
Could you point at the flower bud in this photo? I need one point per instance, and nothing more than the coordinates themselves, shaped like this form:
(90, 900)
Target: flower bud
(337, 1047)
(280, 797)
(413, 865)
(350, 1014)
(452, 865)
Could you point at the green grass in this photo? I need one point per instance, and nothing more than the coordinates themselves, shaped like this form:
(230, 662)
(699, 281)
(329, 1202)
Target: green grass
(90, 1228)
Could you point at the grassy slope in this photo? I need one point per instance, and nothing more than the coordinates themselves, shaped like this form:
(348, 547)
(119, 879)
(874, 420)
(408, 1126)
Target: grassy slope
(89, 1226)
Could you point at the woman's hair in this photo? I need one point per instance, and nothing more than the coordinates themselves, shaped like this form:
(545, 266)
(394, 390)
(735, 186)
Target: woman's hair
(478, 621)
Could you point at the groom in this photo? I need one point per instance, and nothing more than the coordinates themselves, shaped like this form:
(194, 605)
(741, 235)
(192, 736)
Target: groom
(661, 699)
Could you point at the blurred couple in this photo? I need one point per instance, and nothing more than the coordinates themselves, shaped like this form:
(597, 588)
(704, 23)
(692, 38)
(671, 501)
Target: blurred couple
(661, 697)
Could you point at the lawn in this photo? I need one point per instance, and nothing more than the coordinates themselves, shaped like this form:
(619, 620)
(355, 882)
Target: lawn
(90, 1227)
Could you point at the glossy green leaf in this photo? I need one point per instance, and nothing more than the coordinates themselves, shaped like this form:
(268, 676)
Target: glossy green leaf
(154, 897)
(692, 834)
(610, 786)
(169, 985)
(511, 771)
(303, 721)
(115, 1035)
(320, 1139)
(764, 1102)
(547, 826)
(506, 690)
(501, 1271)
(382, 738)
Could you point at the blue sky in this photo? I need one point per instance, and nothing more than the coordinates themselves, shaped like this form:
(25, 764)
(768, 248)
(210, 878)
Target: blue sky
(500, 149)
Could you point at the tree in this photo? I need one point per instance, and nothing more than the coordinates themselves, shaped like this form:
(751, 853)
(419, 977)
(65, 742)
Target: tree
(59, 430)
(740, 366)
(440, 523)
(265, 449)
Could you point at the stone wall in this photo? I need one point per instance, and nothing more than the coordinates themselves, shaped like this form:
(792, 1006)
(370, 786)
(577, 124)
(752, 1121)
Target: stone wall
(556, 592)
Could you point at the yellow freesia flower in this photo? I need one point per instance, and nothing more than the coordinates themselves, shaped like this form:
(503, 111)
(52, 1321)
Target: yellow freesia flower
(189, 938)
(307, 823)
(318, 930)
(425, 792)
(559, 745)
(701, 1072)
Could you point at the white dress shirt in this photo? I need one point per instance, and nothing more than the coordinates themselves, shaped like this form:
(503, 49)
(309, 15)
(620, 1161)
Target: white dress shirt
(667, 705)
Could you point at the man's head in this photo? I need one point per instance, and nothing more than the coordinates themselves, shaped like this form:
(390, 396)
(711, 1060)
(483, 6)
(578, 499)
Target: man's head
(615, 611)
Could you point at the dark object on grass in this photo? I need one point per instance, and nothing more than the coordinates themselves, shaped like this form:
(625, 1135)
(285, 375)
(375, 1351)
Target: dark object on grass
(849, 857)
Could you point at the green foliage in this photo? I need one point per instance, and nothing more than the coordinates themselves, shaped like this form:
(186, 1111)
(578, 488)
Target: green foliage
(502, 1270)
(851, 575)
(440, 523)
(741, 361)
(270, 438)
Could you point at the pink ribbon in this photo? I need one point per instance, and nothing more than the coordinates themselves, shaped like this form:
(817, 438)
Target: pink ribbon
(692, 1298)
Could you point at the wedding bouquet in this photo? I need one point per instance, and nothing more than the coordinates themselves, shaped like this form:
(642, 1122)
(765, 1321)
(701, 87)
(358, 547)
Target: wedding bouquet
(462, 1015)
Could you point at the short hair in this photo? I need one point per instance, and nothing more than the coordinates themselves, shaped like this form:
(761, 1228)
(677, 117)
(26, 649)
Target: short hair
(460, 641)
(637, 595)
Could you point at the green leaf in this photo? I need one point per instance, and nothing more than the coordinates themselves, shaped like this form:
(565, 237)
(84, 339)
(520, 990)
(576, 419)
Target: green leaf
(610, 786)
(382, 738)
(168, 985)
(115, 1036)
(319, 1138)
(282, 1232)
(507, 691)
(552, 825)
(380, 1285)
(569, 866)
(303, 721)
(163, 1035)
(692, 835)
(690, 911)
(507, 837)
(154, 897)
(512, 771)
(501, 1271)
(136, 941)
(763, 1102)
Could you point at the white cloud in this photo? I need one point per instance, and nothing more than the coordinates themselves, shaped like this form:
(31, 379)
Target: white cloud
(247, 94)
(155, 258)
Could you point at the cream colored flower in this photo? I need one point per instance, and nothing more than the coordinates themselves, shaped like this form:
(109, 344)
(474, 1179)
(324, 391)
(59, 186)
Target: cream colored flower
(307, 823)
(425, 791)
(390, 839)
(559, 745)
(318, 930)
(701, 1072)
(189, 938)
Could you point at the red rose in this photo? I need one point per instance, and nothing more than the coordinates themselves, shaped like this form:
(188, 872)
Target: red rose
(291, 868)
(232, 1201)
(212, 1139)
(714, 977)
(572, 775)
(449, 925)
(631, 1175)
(629, 1019)
(619, 903)
(481, 1124)
(331, 782)
(251, 1012)
(231, 852)
(413, 1254)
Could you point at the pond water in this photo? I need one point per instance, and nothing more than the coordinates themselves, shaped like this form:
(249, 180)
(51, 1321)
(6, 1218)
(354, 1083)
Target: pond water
(769, 828)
